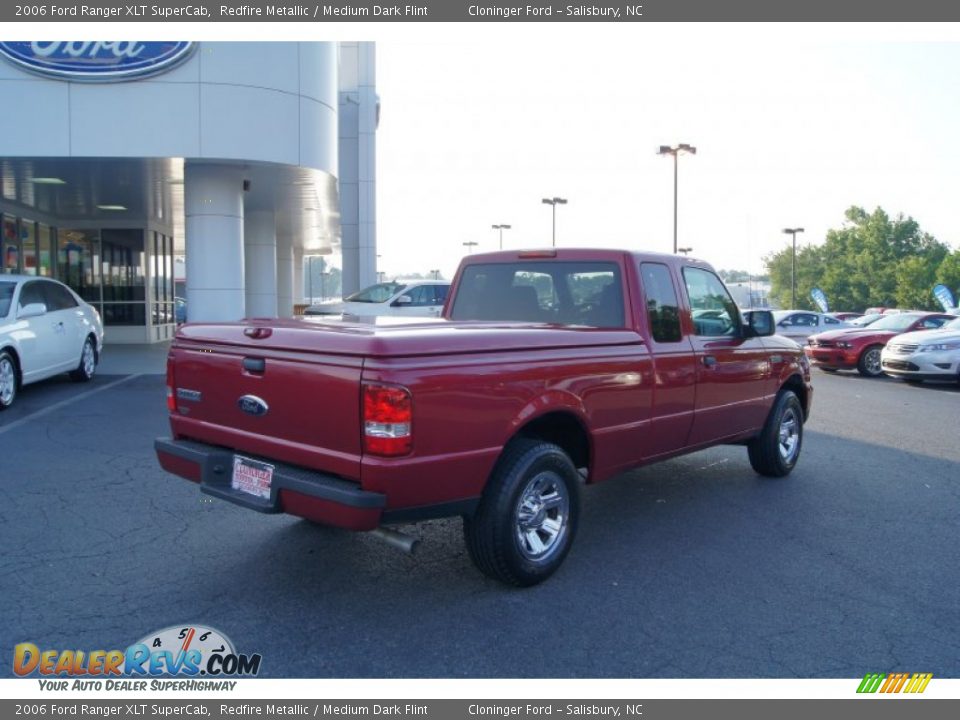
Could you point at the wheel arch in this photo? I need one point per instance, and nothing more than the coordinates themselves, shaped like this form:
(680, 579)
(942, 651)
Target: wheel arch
(16, 361)
(564, 428)
(796, 384)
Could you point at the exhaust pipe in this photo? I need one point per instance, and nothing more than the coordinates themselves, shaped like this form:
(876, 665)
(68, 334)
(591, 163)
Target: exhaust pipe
(399, 540)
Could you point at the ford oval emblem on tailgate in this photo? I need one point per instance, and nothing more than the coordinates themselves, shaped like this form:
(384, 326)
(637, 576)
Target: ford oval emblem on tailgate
(252, 405)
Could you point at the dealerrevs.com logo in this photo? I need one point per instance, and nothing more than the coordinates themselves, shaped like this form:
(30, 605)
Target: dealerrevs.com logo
(894, 683)
(179, 651)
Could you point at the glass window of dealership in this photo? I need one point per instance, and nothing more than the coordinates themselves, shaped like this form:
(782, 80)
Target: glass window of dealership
(125, 273)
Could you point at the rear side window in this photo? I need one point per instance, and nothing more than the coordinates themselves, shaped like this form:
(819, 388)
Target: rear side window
(663, 311)
(714, 312)
(58, 297)
(564, 293)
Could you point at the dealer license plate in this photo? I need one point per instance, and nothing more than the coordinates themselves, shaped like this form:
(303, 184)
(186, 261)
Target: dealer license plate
(252, 477)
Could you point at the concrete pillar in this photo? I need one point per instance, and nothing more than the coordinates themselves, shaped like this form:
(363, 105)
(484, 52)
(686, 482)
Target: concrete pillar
(260, 249)
(357, 126)
(284, 278)
(298, 276)
(213, 209)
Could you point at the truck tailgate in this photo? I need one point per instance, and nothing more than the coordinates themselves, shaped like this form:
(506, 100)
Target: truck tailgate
(269, 402)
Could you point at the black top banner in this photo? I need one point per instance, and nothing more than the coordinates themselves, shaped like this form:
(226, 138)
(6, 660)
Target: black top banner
(465, 11)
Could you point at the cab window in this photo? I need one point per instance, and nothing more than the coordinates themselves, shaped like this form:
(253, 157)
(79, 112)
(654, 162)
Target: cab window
(713, 310)
(663, 310)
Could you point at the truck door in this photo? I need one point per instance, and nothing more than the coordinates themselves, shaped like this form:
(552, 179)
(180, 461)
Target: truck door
(732, 371)
(675, 367)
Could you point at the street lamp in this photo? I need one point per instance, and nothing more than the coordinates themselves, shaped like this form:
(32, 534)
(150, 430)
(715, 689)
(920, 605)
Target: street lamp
(685, 251)
(554, 202)
(501, 228)
(793, 273)
(436, 274)
(675, 151)
(470, 245)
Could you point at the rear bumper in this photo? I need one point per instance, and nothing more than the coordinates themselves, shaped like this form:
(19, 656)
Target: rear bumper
(317, 496)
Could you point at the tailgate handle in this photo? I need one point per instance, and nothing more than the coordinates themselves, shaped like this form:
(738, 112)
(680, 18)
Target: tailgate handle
(254, 365)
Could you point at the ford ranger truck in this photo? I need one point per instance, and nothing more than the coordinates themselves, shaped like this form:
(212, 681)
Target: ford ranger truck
(547, 370)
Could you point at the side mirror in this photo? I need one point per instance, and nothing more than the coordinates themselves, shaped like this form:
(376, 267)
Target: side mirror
(32, 310)
(402, 300)
(758, 323)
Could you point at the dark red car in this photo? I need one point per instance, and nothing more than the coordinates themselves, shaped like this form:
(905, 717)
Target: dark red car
(859, 348)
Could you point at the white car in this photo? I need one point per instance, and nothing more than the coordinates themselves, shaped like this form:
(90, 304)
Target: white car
(45, 330)
(801, 324)
(924, 355)
(411, 298)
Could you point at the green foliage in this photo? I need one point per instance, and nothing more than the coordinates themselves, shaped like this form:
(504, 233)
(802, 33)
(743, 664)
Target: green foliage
(872, 260)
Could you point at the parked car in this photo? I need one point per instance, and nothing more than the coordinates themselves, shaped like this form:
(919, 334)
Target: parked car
(925, 355)
(860, 348)
(414, 298)
(548, 369)
(864, 320)
(45, 330)
(845, 316)
(800, 324)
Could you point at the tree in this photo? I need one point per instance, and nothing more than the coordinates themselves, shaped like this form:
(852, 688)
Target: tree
(872, 260)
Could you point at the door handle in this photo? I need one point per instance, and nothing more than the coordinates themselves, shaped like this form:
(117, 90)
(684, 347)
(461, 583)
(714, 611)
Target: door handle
(709, 360)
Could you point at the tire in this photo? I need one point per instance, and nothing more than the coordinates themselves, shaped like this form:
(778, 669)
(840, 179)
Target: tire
(869, 363)
(88, 362)
(527, 518)
(775, 451)
(9, 380)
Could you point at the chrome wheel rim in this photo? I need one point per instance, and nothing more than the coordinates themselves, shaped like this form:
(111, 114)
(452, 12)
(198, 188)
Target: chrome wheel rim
(542, 516)
(8, 381)
(788, 440)
(872, 361)
(89, 359)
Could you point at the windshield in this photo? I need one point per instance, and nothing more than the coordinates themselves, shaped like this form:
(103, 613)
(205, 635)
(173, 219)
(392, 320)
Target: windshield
(894, 322)
(377, 293)
(6, 297)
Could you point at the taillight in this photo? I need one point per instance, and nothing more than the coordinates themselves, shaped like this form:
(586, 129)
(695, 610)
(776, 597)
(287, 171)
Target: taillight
(171, 390)
(387, 420)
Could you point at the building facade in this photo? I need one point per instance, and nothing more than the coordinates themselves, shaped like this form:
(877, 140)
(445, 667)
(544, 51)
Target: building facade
(118, 157)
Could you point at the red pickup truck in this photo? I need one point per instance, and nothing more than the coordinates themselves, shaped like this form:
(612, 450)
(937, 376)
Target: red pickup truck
(547, 369)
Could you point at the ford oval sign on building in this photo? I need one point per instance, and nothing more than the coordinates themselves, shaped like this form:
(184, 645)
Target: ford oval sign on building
(96, 61)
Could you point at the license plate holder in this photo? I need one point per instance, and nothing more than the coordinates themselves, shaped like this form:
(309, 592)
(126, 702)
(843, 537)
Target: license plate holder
(252, 477)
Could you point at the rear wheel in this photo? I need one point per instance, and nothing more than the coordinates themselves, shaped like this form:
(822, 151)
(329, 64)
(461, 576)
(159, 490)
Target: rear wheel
(869, 363)
(88, 362)
(527, 517)
(8, 380)
(775, 451)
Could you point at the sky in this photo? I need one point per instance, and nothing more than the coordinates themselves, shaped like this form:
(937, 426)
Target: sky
(791, 128)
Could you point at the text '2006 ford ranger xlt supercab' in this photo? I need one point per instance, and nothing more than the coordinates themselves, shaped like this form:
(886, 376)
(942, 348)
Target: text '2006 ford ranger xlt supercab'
(547, 369)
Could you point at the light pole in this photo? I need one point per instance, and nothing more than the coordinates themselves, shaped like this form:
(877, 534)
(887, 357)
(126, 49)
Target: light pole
(501, 228)
(685, 251)
(793, 272)
(554, 202)
(675, 151)
(470, 245)
(436, 274)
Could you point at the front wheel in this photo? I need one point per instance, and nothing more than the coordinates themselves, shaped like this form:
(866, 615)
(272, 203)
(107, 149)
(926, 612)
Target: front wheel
(869, 363)
(527, 517)
(8, 380)
(88, 362)
(775, 451)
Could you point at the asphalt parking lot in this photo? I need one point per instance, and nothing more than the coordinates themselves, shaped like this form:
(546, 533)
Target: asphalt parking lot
(691, 568)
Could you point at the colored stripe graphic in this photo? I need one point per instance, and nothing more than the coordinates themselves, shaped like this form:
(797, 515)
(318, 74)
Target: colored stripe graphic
(894, 682)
